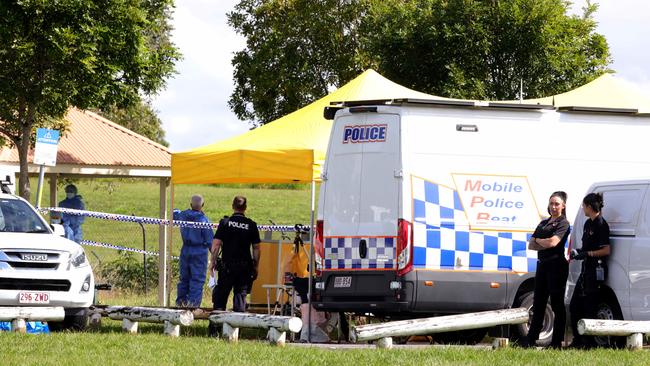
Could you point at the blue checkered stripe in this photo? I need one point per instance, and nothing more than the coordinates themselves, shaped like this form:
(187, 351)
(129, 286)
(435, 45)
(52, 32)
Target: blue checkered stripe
(442, 239)
(343, 253)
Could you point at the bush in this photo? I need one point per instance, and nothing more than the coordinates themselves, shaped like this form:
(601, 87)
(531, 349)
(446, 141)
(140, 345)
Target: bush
(127, 272)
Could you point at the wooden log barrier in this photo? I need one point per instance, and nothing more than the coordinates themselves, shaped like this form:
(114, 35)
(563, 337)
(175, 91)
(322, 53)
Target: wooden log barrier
(150, 315)
(130, 316)
(19, 315)
(438, 324)
(633, 330)
(277, 325)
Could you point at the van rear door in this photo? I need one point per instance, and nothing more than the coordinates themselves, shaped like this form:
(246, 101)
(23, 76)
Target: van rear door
(361, 195)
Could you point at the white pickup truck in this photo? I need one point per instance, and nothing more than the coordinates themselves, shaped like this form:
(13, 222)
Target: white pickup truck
(38, 266)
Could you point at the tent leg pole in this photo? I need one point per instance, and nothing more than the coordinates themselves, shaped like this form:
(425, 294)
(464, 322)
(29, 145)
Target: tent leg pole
(311, 257)
(279, 270)
(168, 256)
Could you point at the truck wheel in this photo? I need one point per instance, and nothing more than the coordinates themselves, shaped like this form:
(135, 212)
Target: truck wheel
(610, 310)
(525, 300)
(77, 321)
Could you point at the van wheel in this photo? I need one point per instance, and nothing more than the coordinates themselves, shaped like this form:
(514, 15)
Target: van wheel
(525, 300)
(610, 310)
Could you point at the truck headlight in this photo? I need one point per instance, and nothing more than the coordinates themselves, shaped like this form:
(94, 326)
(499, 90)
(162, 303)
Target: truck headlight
(78, 259)
(86, 285)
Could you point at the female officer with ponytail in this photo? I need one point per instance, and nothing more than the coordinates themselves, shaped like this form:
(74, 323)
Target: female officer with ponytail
(552, 270)
(595, 249)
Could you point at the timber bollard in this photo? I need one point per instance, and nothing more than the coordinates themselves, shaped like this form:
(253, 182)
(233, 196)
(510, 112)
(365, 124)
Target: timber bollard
(130, 316)
(277, 325)
(634, 330)
(449, 323)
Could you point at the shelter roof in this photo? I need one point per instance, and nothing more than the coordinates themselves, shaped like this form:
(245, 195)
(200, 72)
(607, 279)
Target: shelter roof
(92, 140)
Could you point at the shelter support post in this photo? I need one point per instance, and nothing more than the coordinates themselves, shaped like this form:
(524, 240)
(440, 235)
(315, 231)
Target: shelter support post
(53, 198)
(168, 248)
(162, 245)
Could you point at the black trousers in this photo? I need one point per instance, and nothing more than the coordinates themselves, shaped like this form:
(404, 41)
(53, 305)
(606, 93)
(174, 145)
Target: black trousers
(584, 303)
(237, 281)
(550, 280)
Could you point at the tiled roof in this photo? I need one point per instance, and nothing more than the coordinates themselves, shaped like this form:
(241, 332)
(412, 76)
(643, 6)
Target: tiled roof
(93, 140)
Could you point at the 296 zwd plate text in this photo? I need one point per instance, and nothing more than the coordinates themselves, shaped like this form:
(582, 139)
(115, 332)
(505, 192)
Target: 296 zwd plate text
(30, 297)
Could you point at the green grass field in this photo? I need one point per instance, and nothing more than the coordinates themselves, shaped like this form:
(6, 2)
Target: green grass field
(150, 347)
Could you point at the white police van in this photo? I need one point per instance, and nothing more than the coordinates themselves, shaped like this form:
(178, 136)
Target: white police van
(38, 266)
(426, 206)
(625, 293)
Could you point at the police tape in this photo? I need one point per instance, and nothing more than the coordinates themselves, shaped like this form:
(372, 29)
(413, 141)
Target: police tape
(118, 247)
(157, 221)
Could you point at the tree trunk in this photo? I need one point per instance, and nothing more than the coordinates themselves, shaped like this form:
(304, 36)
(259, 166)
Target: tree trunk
(23, 154)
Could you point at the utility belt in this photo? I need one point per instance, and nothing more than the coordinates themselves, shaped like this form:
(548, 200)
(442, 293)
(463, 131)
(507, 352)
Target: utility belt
(234, 266)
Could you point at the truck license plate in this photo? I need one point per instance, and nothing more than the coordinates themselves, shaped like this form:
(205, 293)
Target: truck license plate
(30, 297)
(342, 282)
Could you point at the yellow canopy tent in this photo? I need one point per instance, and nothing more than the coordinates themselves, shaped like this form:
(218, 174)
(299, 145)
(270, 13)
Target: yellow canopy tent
(289, 149)
(606, 91)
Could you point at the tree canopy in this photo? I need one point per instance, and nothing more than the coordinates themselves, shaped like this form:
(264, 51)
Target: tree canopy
(83, 53)
(295, 51)
(476, 49)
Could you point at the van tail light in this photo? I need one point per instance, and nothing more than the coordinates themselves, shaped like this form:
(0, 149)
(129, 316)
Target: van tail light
(319, 249)
(404, 247)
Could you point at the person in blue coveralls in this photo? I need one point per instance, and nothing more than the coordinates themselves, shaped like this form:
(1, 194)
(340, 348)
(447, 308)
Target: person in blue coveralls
(194, 255)
(72, 223)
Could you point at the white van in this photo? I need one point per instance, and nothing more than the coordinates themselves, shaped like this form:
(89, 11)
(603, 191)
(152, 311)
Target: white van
(626, 293)
(426, 206)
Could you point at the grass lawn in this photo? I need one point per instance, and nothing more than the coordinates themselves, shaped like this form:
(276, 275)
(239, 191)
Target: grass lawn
(110, 347)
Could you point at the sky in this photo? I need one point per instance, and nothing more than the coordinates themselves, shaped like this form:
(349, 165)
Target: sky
(194, 106)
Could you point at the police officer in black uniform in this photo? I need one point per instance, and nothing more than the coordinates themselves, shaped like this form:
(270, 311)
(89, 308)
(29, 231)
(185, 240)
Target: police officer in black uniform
(595, 248)
(552, 270)
(233, 240)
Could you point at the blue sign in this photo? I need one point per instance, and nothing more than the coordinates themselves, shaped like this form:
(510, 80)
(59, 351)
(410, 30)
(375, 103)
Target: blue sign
(46, 146)
(46, 136)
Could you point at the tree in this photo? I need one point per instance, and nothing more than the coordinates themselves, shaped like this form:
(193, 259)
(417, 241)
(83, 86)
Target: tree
(83, 53)
(485, 49)
(296, 50)
(140, 118)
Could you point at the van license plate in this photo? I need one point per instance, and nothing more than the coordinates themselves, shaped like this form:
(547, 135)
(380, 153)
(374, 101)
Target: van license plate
(29, 297)
(342, 282)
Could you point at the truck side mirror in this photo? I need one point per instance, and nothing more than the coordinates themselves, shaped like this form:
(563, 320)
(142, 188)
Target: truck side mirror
(58, 229)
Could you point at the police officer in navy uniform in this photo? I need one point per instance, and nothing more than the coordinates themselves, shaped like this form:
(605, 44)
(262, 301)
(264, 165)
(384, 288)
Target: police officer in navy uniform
(595, 248)
(552, 270)
(234, 239)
